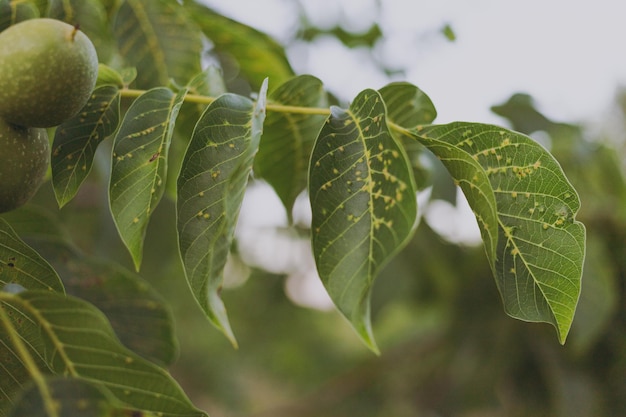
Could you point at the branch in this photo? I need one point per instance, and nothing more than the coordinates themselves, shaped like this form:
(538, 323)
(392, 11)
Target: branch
(200, 99)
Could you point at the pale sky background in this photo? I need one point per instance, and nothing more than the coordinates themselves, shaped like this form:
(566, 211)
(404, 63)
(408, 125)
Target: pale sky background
(568, 54)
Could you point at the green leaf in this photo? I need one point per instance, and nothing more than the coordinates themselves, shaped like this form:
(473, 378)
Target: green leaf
(208, 83)
(75, 339)
(538, 257)
(91, 16)
(288, 138)
(71, 397)
(257, 54)
(12, 12)
(211, 186)
(76, 140)
(158, 38)
(139, 166)
(364, 204)
(109, 76)
(14, 373)
(21, 265)
(139, 315)
(407, 105)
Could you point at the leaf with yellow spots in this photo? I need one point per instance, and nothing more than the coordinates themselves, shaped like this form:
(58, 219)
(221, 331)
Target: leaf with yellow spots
(22, 266)
(76, 141)
(158, 38)
(538, 250)
(288, 138)
(211, 185)
(409, 107)
(139, 164)
(364, 205)
(69, 337)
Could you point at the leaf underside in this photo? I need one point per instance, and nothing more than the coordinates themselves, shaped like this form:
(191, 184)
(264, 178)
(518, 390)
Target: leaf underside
(363, 201)
(535, 245)
(76, 141)
(73, 338)
(139, 164)
(211, 186)
(21, 265)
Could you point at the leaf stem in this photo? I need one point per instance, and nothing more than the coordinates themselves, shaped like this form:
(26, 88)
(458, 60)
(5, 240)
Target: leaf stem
(28, 360)
(200, 99)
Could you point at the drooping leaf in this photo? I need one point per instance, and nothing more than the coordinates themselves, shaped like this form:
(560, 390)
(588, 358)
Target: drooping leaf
(21, 265)
(158, 38)
(75, 339)
(139, 166)
(538, 257)
(288, 138)
(258, 55)
(76, 141)
(364, 204)
(211, 185)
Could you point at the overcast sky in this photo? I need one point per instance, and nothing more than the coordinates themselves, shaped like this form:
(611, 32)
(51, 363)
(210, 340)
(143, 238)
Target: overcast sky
(569, 54)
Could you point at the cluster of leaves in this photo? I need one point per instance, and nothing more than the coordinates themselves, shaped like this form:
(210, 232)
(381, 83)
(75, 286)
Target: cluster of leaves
(186, 136)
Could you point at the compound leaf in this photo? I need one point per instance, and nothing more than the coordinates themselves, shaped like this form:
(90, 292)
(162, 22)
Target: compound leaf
(74, 339)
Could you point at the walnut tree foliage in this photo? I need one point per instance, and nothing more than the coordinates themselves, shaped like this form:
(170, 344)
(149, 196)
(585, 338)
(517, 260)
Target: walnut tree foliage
(64, 345)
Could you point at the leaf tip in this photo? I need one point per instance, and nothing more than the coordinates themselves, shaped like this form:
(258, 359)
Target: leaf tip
(216, 312)
(367, 336)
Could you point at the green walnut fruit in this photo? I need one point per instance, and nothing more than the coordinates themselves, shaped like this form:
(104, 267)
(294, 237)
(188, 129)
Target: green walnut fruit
(24, 159)
(48, 70)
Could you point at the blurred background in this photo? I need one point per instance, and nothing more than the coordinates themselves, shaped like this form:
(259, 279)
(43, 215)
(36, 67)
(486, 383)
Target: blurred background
(551, 69)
